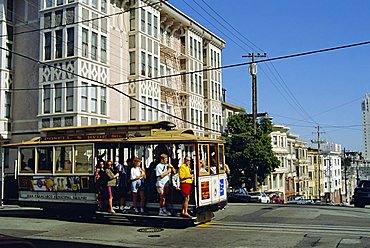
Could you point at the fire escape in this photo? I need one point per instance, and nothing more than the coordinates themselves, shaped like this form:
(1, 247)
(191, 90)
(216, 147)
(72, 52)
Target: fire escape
(173, 57)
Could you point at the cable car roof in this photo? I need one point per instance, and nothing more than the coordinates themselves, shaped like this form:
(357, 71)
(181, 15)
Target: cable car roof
(155, 136)
(167, 125)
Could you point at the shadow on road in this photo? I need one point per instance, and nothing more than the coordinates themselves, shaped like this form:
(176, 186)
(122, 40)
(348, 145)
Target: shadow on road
(13, 242)
(111, 219)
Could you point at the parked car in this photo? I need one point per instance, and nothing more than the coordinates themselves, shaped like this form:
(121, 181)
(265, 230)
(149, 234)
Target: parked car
(361, 196)
(275, 198)
(260, 197)
(299, 200)
(238, 195)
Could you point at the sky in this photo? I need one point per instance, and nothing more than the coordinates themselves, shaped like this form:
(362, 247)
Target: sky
(324, 89)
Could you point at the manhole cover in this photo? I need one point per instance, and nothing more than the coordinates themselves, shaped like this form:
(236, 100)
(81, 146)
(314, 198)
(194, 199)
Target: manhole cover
(150, 229)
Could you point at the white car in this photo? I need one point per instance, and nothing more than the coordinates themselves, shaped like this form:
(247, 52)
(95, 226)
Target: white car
(260, 197)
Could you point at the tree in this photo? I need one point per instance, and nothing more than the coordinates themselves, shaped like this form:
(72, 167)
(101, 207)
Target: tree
(247, 154)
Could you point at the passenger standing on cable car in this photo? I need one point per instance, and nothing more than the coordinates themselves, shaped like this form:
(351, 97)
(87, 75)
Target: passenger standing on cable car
(186, 181)
(163, 173)
(137, 184)
(122, 184)
(112, 182)
(101, 183)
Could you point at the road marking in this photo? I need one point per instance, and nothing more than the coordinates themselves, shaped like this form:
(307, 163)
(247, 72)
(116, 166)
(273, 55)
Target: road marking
(350, 241)
(207, 224)
(291, 228)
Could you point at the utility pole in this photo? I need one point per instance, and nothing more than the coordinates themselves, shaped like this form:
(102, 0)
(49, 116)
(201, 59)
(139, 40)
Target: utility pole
(318, 141)
(345, 173)
(253, 73)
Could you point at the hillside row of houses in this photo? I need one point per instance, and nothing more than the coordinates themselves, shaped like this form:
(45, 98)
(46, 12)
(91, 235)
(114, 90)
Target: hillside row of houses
(329, 175)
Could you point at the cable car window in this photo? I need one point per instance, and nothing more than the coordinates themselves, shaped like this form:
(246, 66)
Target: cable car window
(44, 159)
(84, 158)
(221, 161)
(63, 159)
(27, 160)
(213, 160)
(188, 150)
(203, 160)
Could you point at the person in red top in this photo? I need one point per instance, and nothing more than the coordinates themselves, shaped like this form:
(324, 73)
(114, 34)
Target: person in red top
(186, 180)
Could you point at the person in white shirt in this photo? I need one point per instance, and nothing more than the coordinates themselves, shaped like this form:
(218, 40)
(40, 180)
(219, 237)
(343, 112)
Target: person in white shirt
(137, 184)
(163, 173)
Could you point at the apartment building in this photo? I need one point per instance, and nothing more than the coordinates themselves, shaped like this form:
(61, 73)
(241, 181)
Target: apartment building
(316, 180)
(278, 181)
(291, 180)
(96, 62)
(86, 62)
(7, 21)
(291, 177)
(332, 172)
(301, 168)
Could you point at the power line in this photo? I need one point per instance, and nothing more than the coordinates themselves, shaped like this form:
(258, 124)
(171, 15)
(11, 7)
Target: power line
(338, 106)
(88, 20)
(349, 127)
(232, 27)
(117, 90)
(290, 93)
(72, 23)
(282, 57)
(212, 23)
(290, 118)
(288, 56)
(283, 95)
(314, 51)
(284, 85)
(209, 69)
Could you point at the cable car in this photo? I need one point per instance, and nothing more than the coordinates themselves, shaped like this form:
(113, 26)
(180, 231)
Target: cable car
(56, 171)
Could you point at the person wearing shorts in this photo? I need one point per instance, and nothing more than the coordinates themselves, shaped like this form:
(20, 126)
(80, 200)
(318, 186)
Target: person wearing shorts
(163, 172)
(112, 181)
(186, 180)
(137, 184)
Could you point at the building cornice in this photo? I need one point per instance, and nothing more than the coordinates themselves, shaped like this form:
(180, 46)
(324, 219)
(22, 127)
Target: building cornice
(191, 25)
(281, 128)
(233, 107)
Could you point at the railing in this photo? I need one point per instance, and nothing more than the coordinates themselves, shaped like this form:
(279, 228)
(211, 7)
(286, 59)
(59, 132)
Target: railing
(174, 45)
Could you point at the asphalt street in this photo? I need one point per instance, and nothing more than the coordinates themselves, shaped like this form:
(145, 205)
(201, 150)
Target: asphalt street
(239, 225)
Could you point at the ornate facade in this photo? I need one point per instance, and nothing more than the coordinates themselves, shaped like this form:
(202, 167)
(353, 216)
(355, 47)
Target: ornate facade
(108, 61)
